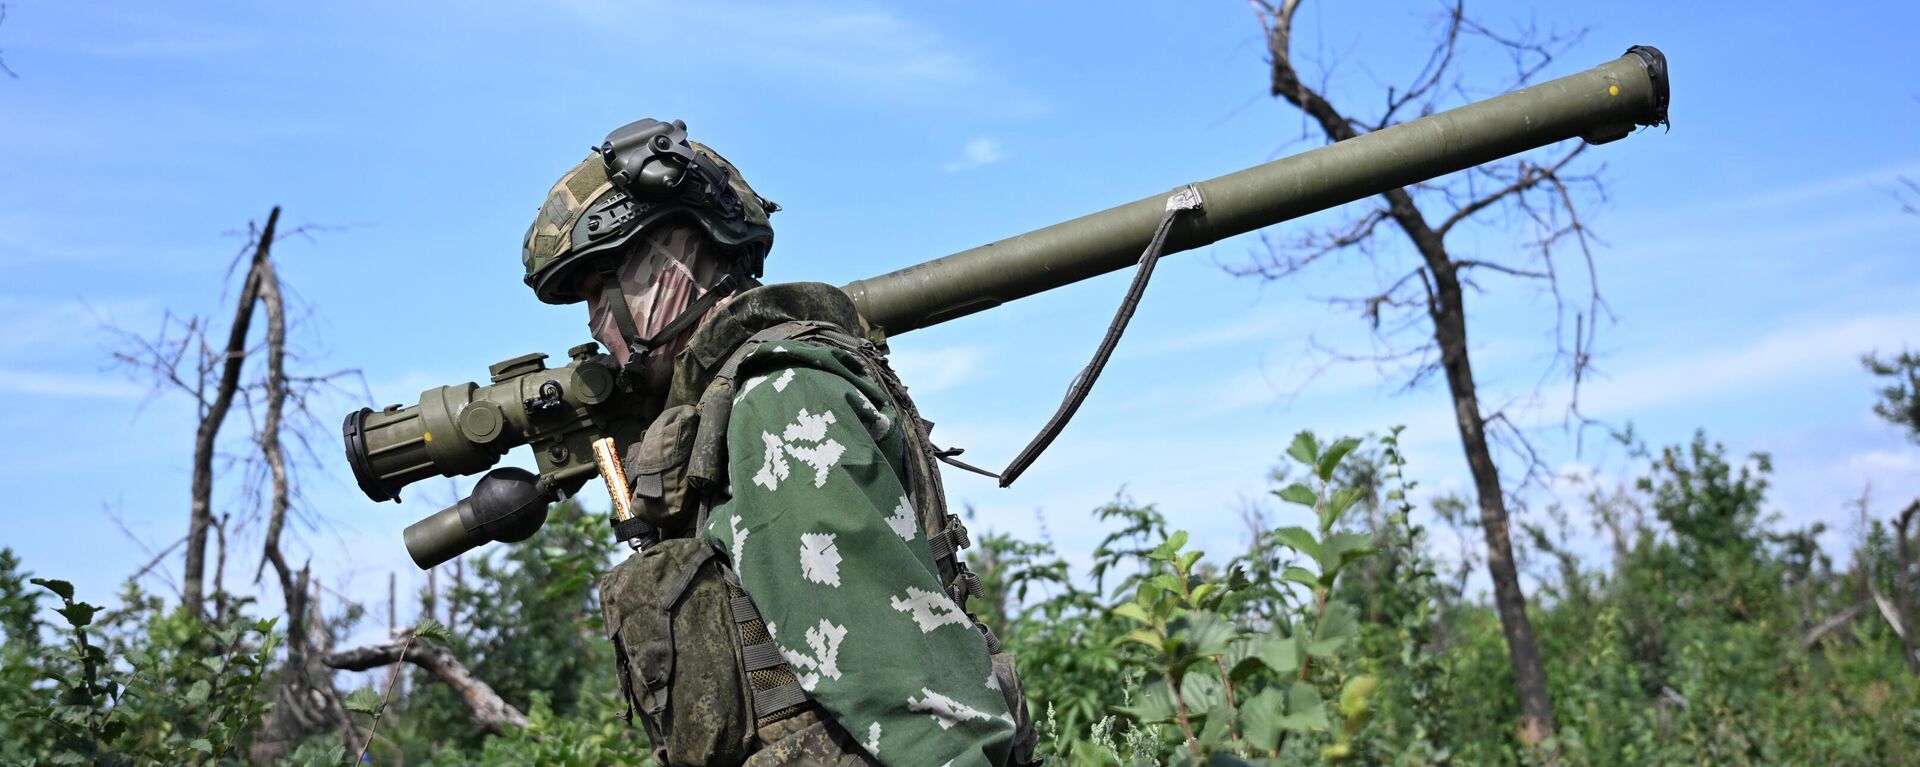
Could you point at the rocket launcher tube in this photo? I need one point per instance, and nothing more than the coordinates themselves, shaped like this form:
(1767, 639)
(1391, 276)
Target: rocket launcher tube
(1598, 105)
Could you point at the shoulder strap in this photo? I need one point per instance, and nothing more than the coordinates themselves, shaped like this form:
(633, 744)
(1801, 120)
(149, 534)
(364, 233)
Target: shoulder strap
(707, 461)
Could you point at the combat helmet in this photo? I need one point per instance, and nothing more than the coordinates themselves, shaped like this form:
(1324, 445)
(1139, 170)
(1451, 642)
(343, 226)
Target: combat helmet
(644, 174)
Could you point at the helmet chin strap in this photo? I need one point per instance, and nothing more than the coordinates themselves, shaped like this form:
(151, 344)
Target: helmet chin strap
(639, 348)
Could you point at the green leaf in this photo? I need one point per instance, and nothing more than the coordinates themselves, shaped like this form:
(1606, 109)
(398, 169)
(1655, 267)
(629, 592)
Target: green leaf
(1305, 448)
(363, 700)
(1301, 576)
(201, 745)
(227, 636)
(62, 588)
(1337, 505)
(1337, 626)
(1330, 460)
(1134, 611)
(215, 664)
(197, 694)
(1169, 547)
(1202, 692)
(1260, 719)
(1153, 704)
(1298, 493)
(1282, 654)
(1205, 634)
(1298, 539)
(1145, 637)
(1338, 549)
(1218, 727)
(1240, 658)
(429, 628)
(1305, 710)
(1202, 591)
(78, 614)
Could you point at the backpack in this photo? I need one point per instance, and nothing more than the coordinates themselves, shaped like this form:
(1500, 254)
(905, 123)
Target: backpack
(695, 659)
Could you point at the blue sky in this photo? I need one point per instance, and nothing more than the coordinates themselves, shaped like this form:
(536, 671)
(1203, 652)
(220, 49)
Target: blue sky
(1752, 253)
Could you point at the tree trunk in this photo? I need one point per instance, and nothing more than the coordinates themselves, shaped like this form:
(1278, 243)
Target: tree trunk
(1902, 589)
(200, 511)
(1446, 306)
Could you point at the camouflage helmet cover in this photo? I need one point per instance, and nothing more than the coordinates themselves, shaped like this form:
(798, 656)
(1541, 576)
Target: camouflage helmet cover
(592, 211)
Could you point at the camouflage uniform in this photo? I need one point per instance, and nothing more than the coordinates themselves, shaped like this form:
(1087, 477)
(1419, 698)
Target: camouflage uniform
(797, 604)
(824, 538)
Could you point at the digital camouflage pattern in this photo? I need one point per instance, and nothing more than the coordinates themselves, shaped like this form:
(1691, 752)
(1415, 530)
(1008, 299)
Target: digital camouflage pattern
(824, 538)
(676, 650)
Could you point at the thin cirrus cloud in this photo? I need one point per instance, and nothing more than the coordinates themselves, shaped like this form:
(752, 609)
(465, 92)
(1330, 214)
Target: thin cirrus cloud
(831, 51)
(978, 153)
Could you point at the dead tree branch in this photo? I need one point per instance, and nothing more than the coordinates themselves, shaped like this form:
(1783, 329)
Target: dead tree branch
(1832, 624)
(304, 677)
(213, 415)
(490, 712)
(1539, 192)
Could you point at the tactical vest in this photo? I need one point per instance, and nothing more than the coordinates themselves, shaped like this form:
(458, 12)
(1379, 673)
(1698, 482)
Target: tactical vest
(695, 658)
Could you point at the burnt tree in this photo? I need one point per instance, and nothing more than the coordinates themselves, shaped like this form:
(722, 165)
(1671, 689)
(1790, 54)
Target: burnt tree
(1427, 299)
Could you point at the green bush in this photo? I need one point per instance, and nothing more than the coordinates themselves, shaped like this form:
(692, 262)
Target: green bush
(1332, 639)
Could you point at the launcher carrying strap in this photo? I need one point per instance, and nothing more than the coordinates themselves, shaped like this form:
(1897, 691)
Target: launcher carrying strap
(1183, 201)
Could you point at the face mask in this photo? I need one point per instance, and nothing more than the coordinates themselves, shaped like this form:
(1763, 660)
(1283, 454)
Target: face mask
(659, 280)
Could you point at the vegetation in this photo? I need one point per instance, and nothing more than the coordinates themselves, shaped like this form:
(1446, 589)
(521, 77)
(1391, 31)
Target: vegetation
(1336, 637)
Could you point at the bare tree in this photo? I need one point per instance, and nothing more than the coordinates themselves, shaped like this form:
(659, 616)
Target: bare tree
(1899, 404)
(1418, 318)
(180, 357)
(307, 702)
(214, 384)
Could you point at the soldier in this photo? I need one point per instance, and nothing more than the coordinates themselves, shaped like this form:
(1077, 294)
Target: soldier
(798, 596)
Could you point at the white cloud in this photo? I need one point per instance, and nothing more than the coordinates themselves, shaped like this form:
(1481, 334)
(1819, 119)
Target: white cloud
(875, 51)
(1890, 461)
(1800, 351)
(978, 153)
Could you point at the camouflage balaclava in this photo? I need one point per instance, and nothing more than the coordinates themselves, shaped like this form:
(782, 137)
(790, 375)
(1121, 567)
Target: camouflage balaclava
(661, 275)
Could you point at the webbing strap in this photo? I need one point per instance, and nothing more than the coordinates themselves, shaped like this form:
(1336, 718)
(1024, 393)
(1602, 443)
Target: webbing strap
(1185, 200)
(949, 540)
(743, 609)
(785, 696)
(781, 332)
(765, 655)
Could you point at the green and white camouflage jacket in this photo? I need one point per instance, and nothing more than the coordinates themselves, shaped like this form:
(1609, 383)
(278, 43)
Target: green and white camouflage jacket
(822, 534)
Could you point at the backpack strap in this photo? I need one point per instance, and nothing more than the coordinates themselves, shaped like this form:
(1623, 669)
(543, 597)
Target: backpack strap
(707, 463)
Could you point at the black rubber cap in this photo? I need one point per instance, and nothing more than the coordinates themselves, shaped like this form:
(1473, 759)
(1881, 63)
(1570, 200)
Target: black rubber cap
(354, 433)
(1656, 72)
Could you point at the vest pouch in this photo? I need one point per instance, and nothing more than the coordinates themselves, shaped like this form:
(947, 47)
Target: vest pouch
(669, 610)
(657, 471)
